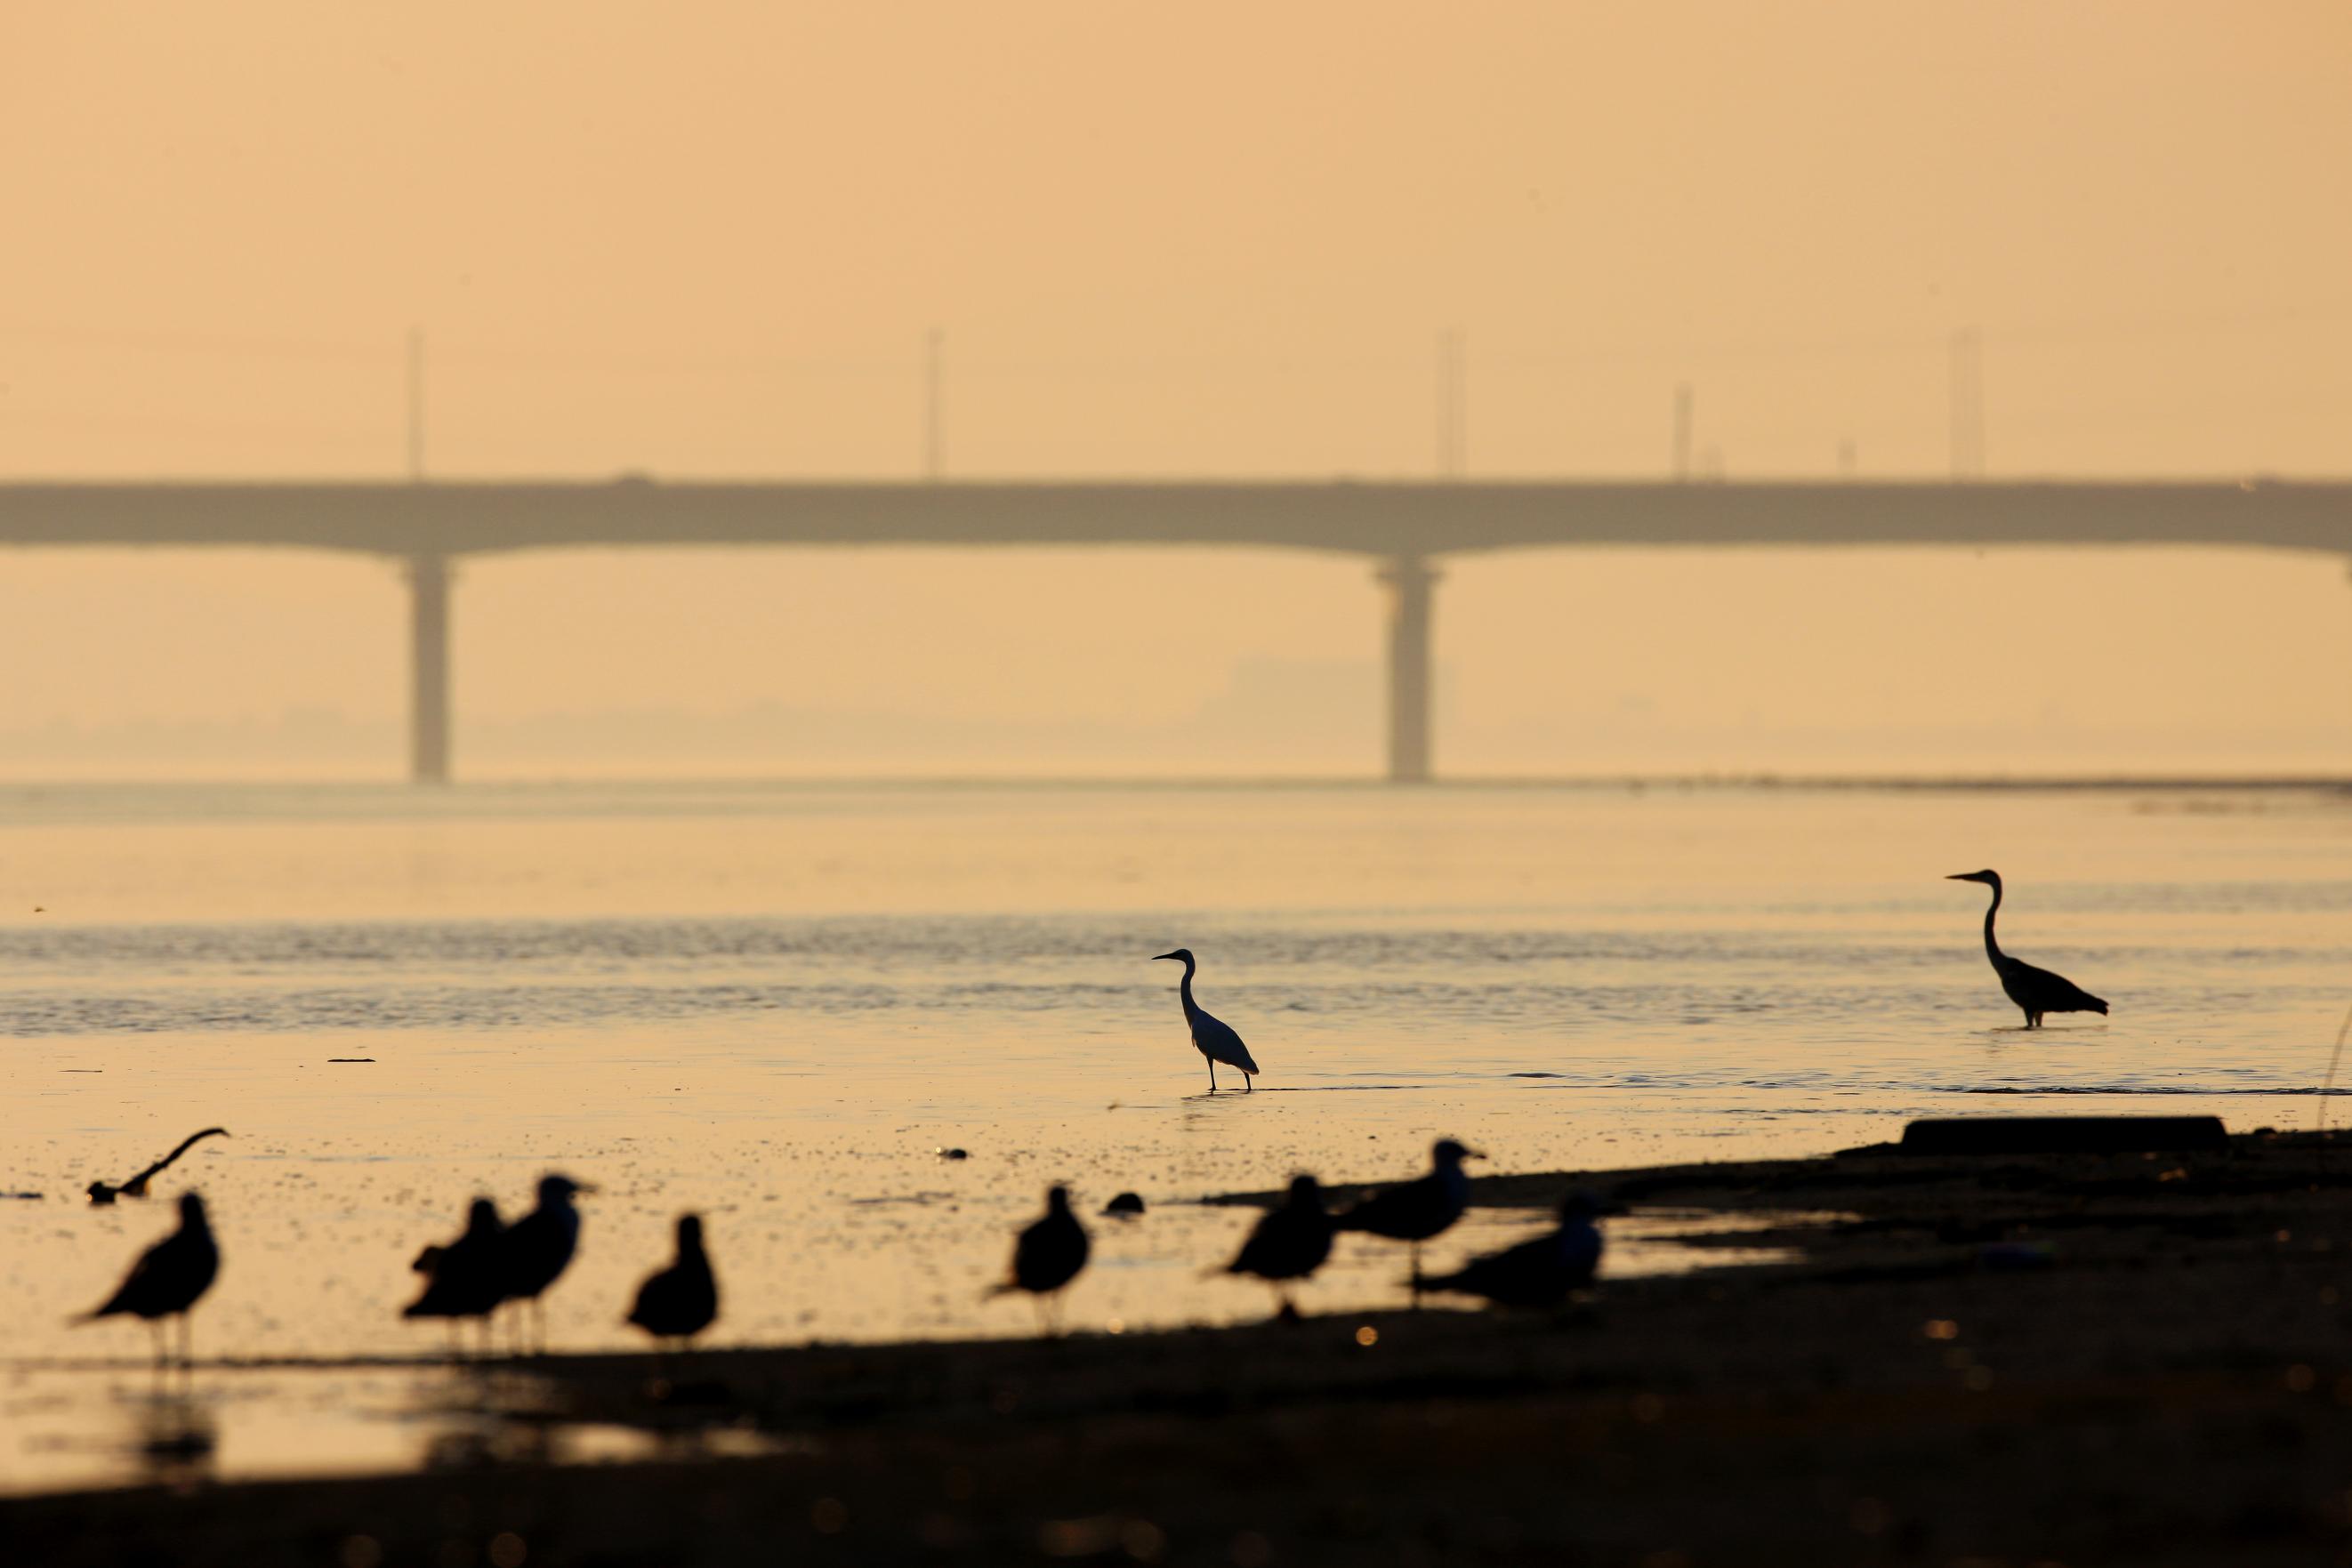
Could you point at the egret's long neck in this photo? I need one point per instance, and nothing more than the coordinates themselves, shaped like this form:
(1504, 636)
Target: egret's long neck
(1184, 989)
(1992, 948)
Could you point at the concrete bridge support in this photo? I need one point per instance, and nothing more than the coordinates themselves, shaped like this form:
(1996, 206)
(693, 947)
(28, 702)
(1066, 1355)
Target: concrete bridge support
(1411, 582)
(428, 669)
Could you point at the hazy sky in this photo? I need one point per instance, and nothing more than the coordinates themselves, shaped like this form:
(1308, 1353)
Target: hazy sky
(1208, 239)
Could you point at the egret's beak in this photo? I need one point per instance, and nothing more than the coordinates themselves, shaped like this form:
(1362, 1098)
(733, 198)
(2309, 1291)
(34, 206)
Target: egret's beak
(1473, 1153)
(1961, 876)
(1156, 956)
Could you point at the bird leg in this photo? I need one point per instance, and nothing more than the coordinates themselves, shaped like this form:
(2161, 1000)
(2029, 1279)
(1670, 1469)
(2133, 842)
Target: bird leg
(1249, 1083)
(1213, 1075)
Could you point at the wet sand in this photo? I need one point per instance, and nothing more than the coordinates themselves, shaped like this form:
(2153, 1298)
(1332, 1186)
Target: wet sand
(2071, 1359)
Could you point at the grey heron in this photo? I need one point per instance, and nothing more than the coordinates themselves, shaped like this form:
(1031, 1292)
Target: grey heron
(1212, 1037)
(2037, 991)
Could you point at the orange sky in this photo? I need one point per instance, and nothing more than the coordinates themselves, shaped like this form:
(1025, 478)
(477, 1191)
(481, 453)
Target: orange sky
(1215, 239)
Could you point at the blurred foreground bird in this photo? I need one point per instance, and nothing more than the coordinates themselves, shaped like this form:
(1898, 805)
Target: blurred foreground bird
(103, 1192)
(1047, 1256)
(466, 1277)
(538, 1247)
(679, 1302)
(1416, 1210)
(2037, 991)
(1538, 1273)
(169, 1277)
(1212, 1038)
(1289, 1243)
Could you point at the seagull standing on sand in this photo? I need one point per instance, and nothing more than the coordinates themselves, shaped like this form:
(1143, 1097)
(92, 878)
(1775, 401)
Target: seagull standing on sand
(465, 1278)
(1416, 1210)
(538, 1247)
(1538, 1273)
(680, 1300)
(2037, 991)
(1289, 1243)
(1047, 1256)
(169, 1277)
(1212, 1038)
(103, 1192)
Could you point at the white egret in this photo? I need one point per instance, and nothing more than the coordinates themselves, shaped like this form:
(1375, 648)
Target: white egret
(1212, 1038)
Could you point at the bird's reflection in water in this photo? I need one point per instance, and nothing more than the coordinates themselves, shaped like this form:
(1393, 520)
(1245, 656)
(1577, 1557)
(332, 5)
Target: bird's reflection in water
(174, 1436)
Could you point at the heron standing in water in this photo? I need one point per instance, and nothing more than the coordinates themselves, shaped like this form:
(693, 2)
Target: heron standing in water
(170, 1278)
(2037, 991)
(1212, 1038)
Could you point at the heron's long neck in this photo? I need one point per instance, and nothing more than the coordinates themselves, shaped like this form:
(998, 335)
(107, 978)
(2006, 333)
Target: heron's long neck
(1992, 948)
(1184, 989)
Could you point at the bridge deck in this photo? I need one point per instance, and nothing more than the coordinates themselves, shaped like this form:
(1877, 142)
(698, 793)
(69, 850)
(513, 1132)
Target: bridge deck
(1373, 518)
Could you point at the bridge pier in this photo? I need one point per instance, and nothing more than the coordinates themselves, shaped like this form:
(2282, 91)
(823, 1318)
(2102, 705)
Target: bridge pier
(428, 669)
(1411, 581)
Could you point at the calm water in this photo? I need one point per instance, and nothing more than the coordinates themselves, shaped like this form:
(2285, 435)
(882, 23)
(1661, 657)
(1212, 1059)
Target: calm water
(774, 1004)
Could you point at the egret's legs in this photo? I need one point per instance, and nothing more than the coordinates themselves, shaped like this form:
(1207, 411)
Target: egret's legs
(1213, 1074)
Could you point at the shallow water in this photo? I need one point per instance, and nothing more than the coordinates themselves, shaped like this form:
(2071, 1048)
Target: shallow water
(774, 1004)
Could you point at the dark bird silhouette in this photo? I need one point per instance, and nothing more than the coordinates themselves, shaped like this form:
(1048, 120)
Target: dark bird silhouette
(170, 1278)
(1538, 1273)
(1212, 1038)
(538, 1247)
(1289, 1243)
(101, 1192)
(465, 1277)
(2037, 991)
(1416, 1210)
(1047, 1256)
(679, 1302)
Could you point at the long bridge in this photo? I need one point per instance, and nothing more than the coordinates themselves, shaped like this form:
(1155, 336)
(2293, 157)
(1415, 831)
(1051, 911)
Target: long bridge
(1403, 528)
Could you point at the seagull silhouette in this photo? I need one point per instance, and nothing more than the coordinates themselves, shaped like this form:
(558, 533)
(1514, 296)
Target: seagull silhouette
(169, 1279)
(1415, 1210)
(1047, 1256)
(465, 1277)
(538, 1247)
(1538, 1273)
(679, 1302)
(1289, 1243)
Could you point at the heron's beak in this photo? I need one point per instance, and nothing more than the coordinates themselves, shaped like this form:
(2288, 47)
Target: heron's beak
(1961, 876)
(1473, 1153)
(1156, 956)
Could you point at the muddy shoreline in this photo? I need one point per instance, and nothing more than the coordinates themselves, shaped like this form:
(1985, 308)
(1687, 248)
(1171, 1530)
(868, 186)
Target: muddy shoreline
(2115, 1358)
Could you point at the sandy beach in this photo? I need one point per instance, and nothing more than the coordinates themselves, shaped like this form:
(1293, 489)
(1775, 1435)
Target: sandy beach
(2130, 1358)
